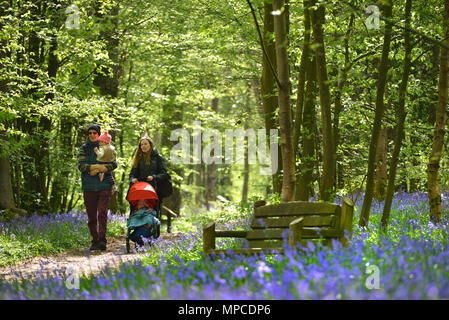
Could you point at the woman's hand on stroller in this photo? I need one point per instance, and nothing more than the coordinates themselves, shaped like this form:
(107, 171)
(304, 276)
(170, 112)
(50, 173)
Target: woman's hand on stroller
(150, 178)
(134, 180)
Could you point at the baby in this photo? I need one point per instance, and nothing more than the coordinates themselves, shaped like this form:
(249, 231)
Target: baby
(106, 153)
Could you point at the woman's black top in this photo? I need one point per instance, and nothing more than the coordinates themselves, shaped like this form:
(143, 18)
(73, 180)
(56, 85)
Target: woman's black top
(156, 168)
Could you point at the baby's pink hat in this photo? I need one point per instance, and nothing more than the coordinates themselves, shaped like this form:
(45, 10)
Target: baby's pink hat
(105, 137)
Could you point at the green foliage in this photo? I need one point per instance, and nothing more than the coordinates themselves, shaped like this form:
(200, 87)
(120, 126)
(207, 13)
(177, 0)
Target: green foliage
(174, 59)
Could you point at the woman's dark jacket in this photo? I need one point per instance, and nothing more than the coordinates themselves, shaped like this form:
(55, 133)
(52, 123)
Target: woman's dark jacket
(156, 168)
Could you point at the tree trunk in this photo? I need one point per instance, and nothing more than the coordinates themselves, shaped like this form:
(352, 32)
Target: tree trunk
(401, 114)
(305, 179)
(268, 88)
(343, 75)
(212, 168)
(245, 155)
(285, 118)
(379, 113)
(35, 171)
(172, 116)
(301, 82)
(109, 85)
(328, 174)
(380, 183)
(6, 192)
(60, 183)
(440, 124)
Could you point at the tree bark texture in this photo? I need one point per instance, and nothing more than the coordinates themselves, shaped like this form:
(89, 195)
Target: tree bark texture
(172, 116)
(302, 81)
(268, 88)
(328, 172)
(440, 125)
(401, 114)
(343, 75)
(6, 192)
(109, 84)
(380, 183)
(379, 113)
(245, 186)
(305, 178)
(285, 118)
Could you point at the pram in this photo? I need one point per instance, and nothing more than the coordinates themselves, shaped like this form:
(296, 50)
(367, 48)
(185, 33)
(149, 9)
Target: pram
(145, 215)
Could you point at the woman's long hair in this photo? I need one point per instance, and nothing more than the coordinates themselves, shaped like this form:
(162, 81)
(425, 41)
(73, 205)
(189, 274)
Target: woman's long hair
(139, 154)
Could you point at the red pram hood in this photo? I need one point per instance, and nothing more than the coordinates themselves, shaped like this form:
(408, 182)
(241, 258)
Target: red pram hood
(142, 191)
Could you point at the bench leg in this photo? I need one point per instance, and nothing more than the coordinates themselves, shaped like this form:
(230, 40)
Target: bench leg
(209, 237)
(295, 235)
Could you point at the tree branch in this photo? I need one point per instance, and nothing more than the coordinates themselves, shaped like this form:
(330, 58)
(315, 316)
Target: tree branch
(263, 46)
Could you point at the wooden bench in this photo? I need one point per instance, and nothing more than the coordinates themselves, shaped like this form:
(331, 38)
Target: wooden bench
(306, 221)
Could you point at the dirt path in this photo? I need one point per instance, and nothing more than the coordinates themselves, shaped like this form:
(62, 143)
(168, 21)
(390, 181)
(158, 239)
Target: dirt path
(78, 260)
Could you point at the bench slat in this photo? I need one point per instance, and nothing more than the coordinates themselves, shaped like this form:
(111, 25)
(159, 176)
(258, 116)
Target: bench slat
(283, 222)
(231, 233)
(265, 234)
(295, 208)
(272, 244)
(246, 251)
(307, 233)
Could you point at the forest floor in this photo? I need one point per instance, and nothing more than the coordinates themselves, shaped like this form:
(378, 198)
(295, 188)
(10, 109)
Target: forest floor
(81, 260)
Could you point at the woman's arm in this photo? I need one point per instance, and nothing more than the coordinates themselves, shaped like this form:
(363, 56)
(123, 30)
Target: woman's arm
(83, 166)
(132, 175)
(110, 166)
(162, 169)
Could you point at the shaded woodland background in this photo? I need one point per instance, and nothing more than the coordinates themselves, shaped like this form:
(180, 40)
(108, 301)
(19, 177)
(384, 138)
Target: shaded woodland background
(358, 109)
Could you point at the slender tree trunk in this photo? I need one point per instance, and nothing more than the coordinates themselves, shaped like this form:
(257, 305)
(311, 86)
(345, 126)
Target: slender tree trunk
(6, 192)
(35, 172)
(245, 156)
(109, 85)
(212, 168)
(172, 116)
(380, 182)
(343, 75)
(285, 118)
(59, 181)
(328, 174)
(268, 88)
(440, 125)
(302, 81)
(301, 190)
(380, 108)
(305, 179)
(199, 195)
(401, 114)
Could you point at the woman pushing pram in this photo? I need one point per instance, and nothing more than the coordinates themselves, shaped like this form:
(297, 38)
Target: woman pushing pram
(148, 169)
